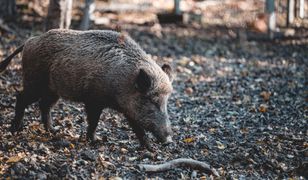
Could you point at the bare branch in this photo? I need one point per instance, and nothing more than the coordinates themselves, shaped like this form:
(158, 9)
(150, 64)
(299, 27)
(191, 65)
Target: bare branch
(181, 162)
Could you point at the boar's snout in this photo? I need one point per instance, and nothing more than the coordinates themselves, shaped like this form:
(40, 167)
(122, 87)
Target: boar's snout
(164, 134)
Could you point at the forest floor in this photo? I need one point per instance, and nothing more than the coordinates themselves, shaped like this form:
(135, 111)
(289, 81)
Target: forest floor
(239, 105)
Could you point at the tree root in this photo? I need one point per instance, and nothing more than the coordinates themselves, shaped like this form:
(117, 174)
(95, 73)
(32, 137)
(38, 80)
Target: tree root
(181, 162)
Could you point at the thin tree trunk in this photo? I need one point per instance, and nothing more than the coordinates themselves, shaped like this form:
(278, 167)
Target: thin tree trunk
(177, 9)
(270, 10)
(7, 9)
(302, 9)
(59, 14)
(87, 11)
(291, 7)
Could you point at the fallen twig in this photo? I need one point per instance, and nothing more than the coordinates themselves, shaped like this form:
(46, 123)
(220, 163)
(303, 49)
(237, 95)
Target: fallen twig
(181, 162)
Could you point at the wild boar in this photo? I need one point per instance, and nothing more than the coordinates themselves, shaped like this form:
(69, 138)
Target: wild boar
(100, 68)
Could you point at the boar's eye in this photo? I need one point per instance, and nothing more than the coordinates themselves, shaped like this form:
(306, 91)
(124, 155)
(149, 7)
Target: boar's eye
(143, 81)
(156, 100)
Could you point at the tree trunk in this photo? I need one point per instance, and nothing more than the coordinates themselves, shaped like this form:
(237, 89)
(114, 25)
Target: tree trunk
(59, 14)
(177, 9)
(291, 7)
(270, 10)
(302, 9)
(7, 9)
(87, 11)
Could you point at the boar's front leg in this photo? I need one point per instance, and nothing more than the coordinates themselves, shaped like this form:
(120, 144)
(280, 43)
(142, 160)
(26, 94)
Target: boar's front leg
(93, 114)
(45, 104)
(141, 135)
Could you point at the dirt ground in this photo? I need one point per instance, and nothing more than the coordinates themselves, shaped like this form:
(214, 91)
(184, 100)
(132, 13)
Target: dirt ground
(239, 105)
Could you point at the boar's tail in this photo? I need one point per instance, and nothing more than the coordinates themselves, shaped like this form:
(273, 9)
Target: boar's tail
(7, 61)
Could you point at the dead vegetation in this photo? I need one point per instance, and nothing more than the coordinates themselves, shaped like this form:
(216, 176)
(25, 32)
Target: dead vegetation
(240, 106)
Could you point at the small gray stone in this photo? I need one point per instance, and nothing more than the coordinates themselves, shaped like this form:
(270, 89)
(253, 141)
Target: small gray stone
(88, 155)
(41, 176)
(19, 168)
(62, 143)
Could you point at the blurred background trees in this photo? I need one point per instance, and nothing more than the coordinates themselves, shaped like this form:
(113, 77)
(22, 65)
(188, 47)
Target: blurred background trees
(59, 14)
(7, 9)
(258, 16)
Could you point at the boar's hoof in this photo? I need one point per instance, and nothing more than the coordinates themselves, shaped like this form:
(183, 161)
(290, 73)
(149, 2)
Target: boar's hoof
(92, 139)
(15, 128)
(168, 141)
(50, 129)
(146, 145)
(94, 143)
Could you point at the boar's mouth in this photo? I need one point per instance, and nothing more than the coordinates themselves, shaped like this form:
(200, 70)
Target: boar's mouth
(163, 138)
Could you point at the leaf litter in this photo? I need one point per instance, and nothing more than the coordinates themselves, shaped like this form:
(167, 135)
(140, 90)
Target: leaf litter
(240, 106)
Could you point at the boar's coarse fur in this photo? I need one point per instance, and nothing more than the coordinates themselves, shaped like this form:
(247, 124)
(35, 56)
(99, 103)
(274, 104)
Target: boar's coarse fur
(102, 69)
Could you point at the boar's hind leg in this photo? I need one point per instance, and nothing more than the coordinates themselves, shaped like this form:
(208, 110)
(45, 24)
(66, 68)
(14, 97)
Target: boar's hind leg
(140, 133)
(23, 99)
(45, 104)
(93, 114)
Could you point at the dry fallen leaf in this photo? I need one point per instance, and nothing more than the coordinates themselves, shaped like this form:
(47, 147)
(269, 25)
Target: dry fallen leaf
(203, 177)
(101, 178)
(178, 103)
(259, 24)
(44, 139)
(66, 151)
(244, 73)
(205, 152)
(246, 99)
(184, 61)
(132, 158)
(2, 171)
(265, 95)
(244, 131)
(107, 164)
(189, 90)
(263, 108)
(189, 140)
(115, 178)
(17, 158)
(193, 80)
(220, 145)
(123, 150)
(34, 126)
(212, 130)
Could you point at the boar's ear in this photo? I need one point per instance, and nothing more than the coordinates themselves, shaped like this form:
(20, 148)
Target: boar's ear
(168, 70)
(143, 81)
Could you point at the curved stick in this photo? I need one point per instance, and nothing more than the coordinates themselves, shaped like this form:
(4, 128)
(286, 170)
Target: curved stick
(181, 162)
